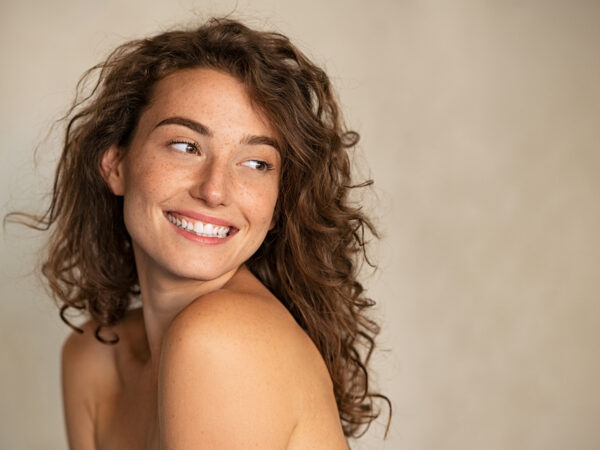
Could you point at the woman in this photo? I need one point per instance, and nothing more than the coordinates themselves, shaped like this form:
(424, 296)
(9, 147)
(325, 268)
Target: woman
(200, 216)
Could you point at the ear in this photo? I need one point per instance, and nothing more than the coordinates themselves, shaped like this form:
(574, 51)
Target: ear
(111, 169)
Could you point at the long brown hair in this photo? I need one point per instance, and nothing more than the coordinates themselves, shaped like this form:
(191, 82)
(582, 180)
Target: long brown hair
(309, 260)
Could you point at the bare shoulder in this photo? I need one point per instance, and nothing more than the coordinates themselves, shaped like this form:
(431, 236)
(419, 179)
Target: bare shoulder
(89, 374)
(83, 350)
(240, 362)
(94, 359)
(231, 314)
(85, 365)
(247, 322)
(256, 331)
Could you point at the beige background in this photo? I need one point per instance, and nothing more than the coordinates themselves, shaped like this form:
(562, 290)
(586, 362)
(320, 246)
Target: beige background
(480, 123)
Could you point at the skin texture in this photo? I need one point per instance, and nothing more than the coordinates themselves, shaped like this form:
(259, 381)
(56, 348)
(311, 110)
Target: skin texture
(212, 359)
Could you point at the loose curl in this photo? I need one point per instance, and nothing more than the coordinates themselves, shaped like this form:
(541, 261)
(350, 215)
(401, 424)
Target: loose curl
(309, 260)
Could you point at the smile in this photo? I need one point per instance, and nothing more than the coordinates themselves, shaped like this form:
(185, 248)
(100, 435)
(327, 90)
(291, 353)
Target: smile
(198, 227)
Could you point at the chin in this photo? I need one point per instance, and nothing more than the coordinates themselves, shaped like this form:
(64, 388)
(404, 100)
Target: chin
(200, 272)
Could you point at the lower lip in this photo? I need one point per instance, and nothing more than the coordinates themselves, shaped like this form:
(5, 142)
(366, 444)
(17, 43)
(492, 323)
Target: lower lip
(200, 239)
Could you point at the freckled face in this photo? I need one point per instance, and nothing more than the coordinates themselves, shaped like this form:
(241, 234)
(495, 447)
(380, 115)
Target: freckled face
(200, 178)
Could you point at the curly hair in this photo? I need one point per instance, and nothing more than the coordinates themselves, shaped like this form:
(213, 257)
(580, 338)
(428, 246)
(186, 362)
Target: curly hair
(309, 260)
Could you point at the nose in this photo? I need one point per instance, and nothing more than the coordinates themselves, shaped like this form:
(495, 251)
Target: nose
(211, 184)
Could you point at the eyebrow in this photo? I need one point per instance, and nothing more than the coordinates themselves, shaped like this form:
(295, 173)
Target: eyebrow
(205, 131)
(260, 140)
(189, 123)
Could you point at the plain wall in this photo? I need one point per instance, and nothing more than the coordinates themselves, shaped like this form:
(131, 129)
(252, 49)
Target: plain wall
(480, 123)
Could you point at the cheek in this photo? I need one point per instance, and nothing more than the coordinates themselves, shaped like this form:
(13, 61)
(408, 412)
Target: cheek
(149, 179)
(262, 203)
(146, 186)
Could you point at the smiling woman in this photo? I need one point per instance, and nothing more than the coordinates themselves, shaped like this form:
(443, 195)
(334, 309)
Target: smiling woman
(206, 174)
(202, 176)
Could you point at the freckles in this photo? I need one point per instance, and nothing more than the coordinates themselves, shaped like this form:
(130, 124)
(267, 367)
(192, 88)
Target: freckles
(259, 198)
(155, 176)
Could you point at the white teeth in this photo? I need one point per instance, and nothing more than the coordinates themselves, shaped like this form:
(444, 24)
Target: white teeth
(200, 228)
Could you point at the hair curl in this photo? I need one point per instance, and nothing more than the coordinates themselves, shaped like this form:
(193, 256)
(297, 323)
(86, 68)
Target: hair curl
(311, 257)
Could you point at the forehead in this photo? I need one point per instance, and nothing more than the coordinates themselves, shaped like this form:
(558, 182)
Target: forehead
(211, 97)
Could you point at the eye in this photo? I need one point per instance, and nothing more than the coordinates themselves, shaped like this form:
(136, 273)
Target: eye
(261, 166)
(185, 147)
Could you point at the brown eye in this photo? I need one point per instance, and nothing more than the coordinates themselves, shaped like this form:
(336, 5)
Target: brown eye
(261, 166)
(185, 147)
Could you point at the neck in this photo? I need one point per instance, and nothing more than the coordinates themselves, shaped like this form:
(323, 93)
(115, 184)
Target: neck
(164, 295)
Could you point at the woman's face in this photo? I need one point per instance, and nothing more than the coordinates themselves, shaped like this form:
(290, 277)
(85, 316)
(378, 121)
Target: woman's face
(200, 178)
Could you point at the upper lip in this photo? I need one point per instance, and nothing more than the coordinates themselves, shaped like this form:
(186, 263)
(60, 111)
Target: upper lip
(202, 217)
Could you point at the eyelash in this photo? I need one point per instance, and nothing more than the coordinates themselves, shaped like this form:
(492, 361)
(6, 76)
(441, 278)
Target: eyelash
(195, 146)
(266, 166)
